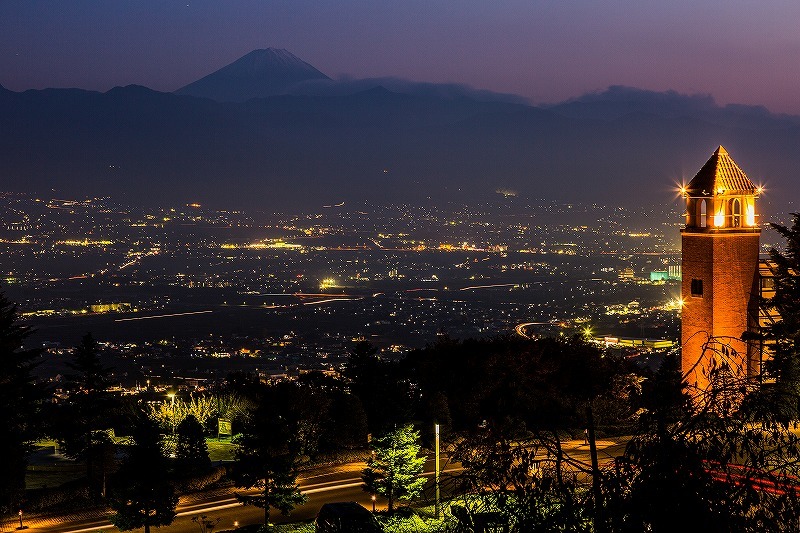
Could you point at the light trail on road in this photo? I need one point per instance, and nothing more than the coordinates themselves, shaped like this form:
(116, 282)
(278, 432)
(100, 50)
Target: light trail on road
(329, 300)
(520, 328)
(474, 287)
(162, 316)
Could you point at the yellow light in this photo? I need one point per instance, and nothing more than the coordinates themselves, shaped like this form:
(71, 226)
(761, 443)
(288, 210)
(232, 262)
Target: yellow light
(750, 216)
(719, 219)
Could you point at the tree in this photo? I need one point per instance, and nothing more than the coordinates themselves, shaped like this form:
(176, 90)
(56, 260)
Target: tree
(85, 436)
(191, 450)
(141, 493)
(723, 458)
(20, 399)
(516, 398)
(378, 384)
(346, 424)
(267, 454)
(394, 468)
(784, 365)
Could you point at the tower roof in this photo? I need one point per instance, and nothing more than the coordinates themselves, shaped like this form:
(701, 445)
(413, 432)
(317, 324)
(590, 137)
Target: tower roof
(720, 175)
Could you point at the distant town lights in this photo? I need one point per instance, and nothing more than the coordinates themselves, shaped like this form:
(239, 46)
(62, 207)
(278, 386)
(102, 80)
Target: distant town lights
(327, 283)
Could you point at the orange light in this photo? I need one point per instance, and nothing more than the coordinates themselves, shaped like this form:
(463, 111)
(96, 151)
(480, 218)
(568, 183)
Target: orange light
(719, 219)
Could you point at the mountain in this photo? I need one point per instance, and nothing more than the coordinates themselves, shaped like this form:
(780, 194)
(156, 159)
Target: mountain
(259, 74)
(298, 151)
(617, 101)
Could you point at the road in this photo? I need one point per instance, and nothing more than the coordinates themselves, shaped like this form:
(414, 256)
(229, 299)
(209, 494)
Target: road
(323, 485)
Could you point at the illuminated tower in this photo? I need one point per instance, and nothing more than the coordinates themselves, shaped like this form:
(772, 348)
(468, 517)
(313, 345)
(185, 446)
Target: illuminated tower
(720, 245)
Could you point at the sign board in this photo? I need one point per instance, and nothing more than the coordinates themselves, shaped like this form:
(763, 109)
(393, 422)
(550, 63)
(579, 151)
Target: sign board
(224, 427)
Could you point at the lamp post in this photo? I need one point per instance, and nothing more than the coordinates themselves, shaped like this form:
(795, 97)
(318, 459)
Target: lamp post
(373, 504)
(438, 504)
(172, 410)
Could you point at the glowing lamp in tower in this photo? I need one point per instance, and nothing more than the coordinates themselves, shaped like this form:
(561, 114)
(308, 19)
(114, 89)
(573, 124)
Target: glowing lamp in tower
(719, 219)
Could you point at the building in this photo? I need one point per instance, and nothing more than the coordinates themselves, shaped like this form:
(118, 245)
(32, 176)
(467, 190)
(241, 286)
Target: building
(720, 286)
(659, 275)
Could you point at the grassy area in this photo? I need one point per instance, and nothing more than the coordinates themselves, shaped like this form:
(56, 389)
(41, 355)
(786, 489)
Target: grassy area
(39, 476)
(48, 470)
(413, 523)
(220, 450)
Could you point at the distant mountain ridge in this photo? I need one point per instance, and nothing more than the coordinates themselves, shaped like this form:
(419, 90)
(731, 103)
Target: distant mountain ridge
(303, 150)
(258, 74)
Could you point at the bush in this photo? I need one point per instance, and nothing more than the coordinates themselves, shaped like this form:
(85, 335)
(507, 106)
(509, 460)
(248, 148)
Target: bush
(71, 495)
(201, 482)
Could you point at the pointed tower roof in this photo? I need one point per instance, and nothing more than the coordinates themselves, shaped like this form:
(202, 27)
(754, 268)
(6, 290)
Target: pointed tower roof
(720, 175)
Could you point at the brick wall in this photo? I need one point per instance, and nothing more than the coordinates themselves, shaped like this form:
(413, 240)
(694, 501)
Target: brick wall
(727, 264)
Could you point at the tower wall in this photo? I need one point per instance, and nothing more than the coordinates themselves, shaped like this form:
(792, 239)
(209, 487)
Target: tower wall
(727, 265)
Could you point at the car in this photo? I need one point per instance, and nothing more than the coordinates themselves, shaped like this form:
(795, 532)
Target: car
(345, 517)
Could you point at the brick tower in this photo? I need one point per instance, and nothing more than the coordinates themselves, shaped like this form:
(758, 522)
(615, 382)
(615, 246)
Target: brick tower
(720, 245)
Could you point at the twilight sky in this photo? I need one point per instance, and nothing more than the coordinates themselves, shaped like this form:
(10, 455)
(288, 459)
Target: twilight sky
(742, 51)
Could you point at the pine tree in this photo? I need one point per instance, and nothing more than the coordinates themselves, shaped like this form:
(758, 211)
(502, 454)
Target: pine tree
(141, 493)
(784, 365)
(20, 399)
(394, 468)
(85, 437)
(266, 457)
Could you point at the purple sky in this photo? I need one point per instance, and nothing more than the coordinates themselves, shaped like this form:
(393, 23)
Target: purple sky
(739, 51)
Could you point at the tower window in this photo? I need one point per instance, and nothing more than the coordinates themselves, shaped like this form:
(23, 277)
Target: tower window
(703, 213)
(736, 209)
(697, 288)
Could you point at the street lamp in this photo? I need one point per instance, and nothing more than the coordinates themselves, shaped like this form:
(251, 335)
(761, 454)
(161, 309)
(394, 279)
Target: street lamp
(373, 503)
(171, 395)
(438, 504)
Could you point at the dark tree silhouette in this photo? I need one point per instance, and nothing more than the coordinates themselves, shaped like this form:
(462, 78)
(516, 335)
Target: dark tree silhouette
(724, 458)
(191, 450)
(83, 431)
(378, 384)
(783, 367)
(141, 493)
(20, 399)
(266, 457)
